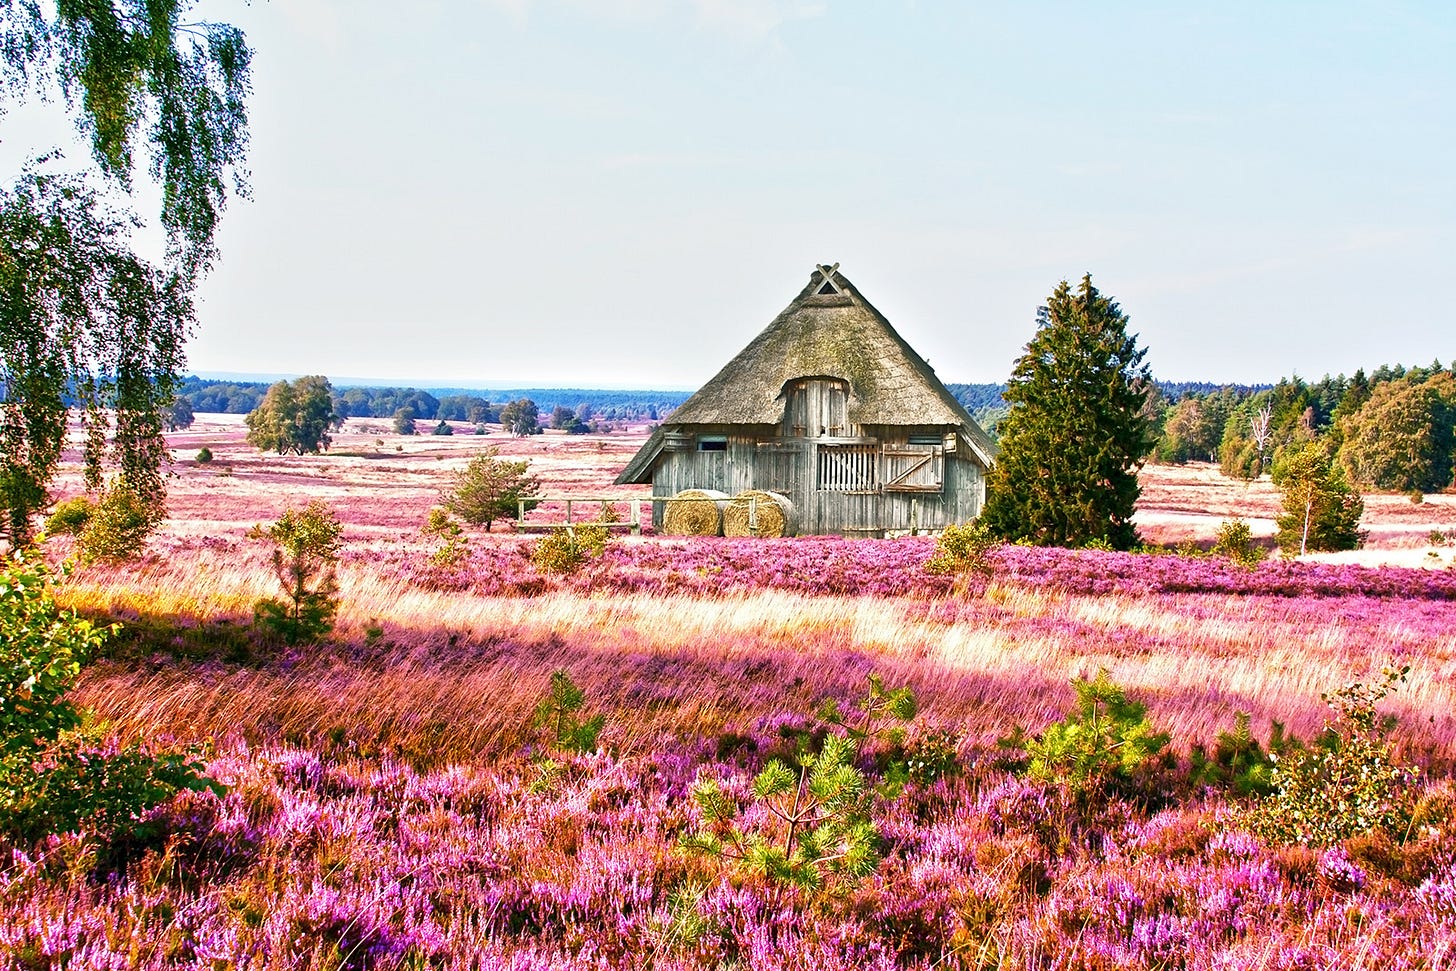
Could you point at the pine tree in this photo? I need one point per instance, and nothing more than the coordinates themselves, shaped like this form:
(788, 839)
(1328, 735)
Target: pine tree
(1075, 436)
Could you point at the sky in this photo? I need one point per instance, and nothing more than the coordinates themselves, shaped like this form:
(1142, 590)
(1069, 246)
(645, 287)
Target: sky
(622, 193)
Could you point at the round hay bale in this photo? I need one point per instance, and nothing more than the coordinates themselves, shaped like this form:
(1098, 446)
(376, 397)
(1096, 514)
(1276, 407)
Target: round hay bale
(694, 512)
(775, 513)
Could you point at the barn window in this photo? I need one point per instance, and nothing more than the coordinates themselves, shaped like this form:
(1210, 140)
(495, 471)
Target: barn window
(817, 408)
(848, 468)
(924, 439)
(712, 443)
(914, 468)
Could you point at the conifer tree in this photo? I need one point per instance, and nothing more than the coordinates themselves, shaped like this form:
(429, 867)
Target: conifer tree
(1075, 436)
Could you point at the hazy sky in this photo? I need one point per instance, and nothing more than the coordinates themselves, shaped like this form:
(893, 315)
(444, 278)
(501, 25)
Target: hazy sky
(624, 192)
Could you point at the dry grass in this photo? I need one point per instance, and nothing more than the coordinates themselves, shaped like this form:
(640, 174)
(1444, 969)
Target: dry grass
(461, 672)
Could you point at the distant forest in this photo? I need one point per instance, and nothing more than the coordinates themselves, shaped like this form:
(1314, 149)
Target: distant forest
(1392, 429)
(449, 404)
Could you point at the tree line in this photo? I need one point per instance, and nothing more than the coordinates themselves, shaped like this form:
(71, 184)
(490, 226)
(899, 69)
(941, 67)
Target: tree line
(447, 404)
(1393, 429)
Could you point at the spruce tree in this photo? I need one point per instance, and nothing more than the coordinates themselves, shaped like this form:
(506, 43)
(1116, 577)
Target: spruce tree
(1075, 436)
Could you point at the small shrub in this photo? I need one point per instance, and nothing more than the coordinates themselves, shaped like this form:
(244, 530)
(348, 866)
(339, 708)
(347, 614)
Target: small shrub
(817, 829)
(54, 779)
(443, 428)
(965, 550)
(1238, 762)
(931, 756)
(440, 526)
(1236, 541)
(1106, 741)
(567, 550)
(70, 517)
(557, 713)
(118, 527)
(1348, 784)
(883, 714)
(204, 455)
(1416, 496)
(404, 421)
(305, 550)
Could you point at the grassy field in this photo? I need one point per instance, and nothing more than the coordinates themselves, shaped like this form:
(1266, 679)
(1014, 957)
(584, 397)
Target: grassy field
(385, 810)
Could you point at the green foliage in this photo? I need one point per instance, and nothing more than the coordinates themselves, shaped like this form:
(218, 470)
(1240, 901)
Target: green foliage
(305, 551)
(1404, 437)
(1321, 512)
(557, 713)
(117, 528)
(883, 713)
(1104, 742)
(41, 652)
(85, 325)
(1076, 433)
(1236, 541)
(932, 755)
(443, 428)
(80, 783)
(404, 421)
(1193, 429)
(70, 516)
(52, 778)
(453, 548)
(1348, 784)
(294, 417)
(521, 417)
(148, 71)
(204, 455)
(180, 415)
(1238, 762)
(567, 550)
(819, 832)
(964, 550)
(490, 488)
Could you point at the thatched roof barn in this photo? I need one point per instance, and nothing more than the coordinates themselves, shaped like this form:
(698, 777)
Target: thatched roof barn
(830, 407)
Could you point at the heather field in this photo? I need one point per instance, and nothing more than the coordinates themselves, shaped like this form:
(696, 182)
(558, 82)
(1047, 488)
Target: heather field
(391, 805)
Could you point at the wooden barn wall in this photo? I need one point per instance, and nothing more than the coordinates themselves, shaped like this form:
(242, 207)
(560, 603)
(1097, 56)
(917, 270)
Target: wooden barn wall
(789, 466)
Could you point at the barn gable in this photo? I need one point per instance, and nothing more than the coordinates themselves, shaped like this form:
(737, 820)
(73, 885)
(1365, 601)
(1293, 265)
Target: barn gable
(828, 387)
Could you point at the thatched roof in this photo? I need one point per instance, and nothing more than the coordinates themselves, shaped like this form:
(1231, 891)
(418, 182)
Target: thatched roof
(829, 330)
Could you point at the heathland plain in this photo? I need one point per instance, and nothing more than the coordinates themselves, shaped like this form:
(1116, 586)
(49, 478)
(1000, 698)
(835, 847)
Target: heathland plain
(391, 802)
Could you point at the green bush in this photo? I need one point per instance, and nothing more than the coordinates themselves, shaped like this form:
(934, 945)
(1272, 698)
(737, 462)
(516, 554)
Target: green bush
(1238, 762)
(965, 550)
(557, 713)
(1236, 541)
(1105, 742)
(117, 528)
(305, 551)
(567, 550)
(443, 428)
(1348, 784)
(1321, 511)
(70, 516)
(204, 455)
(52, 778)
(439, 525)
(817, 829)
